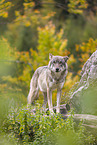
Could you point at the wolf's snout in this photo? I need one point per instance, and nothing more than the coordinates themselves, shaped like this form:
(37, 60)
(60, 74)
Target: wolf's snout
(57, 69)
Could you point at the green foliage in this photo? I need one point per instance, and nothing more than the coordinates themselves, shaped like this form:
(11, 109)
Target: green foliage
(6, 54)
(20, 33)
(77, 6)
(82, 42)
(39, 128)
(86, 50)
(79, 30)
(6, 51)
(9, 69)
(4, 6)
(23, 34)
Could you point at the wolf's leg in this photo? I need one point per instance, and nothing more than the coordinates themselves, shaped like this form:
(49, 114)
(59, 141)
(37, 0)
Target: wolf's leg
(45, 100)
(58, 101)
(33, 94)
(51, 100)
(49, 97)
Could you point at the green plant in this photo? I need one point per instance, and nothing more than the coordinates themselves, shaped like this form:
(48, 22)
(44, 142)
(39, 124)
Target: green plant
(37, 127)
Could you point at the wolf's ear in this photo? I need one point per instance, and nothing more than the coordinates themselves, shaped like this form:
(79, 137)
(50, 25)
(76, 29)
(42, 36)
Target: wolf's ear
(66, 58)
(50, 56)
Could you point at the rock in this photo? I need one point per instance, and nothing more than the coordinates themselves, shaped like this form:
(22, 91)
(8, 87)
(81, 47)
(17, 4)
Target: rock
(84, 98)
(88, 121)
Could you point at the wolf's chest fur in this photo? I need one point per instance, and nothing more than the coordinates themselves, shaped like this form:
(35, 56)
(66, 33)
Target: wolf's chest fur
(47, 79)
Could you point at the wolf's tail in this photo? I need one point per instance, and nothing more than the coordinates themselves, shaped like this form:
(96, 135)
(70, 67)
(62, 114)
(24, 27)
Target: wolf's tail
(34, 90)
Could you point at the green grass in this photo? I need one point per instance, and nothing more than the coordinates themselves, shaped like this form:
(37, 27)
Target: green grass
(24, 127)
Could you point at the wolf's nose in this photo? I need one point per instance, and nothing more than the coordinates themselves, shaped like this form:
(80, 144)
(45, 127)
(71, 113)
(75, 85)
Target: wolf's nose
(57, 69)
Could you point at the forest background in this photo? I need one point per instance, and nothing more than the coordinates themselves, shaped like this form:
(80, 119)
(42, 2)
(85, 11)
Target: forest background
(30, 30)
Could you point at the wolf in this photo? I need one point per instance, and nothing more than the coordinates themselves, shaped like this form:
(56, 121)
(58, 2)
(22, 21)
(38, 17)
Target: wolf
(47, 79)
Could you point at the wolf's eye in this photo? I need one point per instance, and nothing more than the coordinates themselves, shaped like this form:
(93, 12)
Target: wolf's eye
(54, 62)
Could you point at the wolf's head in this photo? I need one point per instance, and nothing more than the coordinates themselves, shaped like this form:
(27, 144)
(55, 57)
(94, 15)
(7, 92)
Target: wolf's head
(58, 64)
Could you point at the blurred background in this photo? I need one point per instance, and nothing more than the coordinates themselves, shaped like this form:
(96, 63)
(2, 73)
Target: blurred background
(30, 30)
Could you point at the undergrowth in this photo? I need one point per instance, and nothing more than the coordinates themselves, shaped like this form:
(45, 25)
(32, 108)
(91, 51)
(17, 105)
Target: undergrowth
(36, 127)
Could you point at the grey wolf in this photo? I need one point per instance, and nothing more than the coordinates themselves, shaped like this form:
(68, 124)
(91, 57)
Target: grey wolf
(47, 79)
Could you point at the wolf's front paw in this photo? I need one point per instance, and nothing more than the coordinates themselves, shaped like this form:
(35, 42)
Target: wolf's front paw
(57, 110)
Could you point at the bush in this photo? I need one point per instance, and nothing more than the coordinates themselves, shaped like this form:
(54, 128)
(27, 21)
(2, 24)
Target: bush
(39, 128)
